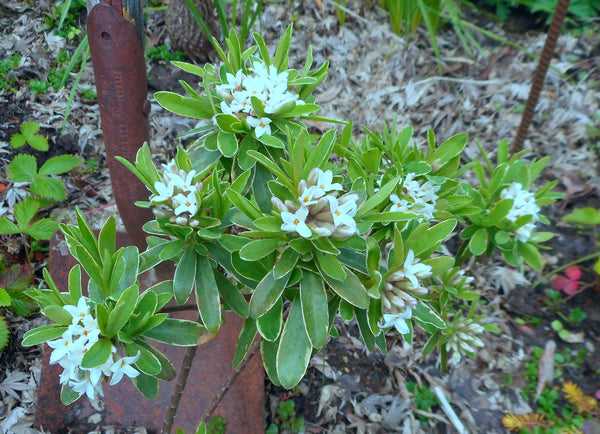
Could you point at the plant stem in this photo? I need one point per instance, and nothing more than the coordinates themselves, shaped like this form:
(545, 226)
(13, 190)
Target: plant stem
(232, 377)
(564, 267)
(186, 365)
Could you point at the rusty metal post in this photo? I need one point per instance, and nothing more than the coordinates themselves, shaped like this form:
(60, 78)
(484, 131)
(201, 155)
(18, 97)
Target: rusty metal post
(120, 74)
(540, 73)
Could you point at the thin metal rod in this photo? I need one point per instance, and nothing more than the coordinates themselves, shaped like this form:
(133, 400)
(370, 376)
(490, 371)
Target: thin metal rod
(540, 73)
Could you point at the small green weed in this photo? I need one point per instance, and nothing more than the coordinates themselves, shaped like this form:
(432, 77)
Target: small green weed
(285, 419)
(163, 53)
(424, 398)
(6, 67)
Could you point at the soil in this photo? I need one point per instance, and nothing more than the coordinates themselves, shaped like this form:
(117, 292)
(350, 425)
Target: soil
(375, 76)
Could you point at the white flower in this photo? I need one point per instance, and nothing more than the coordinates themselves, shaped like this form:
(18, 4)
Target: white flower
(523, 204)
(123, 366)
(397, 320)
(261, 126)
(342, 213)
(62, 347)
(79, 312)
(165, 192)
(412, 270)
(296, 222)
(84, 385)
(185, 203)
(309, 196)
(184, 180)
(324, 181)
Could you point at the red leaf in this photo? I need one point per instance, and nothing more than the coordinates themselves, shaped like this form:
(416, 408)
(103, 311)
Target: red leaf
(571, 288)
(573, 272)
(560, 282)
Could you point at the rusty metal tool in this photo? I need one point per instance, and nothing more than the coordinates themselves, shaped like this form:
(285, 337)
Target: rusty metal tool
(120, 74)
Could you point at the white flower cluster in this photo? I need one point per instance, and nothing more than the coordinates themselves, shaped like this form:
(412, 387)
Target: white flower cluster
(523, 204)
(264, 83)
(400, 290)
(319, 208)
(464, 338)
(418, 198)
(75, 342)
(178, 192)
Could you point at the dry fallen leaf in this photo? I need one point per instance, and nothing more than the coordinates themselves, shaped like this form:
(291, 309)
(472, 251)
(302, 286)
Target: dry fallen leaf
(545, 368)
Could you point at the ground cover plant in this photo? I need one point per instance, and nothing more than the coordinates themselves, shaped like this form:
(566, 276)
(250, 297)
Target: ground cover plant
(425, 404)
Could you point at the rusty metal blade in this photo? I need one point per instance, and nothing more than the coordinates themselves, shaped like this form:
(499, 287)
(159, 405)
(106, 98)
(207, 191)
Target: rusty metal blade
(120, 73)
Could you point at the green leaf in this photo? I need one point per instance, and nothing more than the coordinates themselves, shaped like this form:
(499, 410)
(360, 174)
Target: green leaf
(247, 335)
(448, 150)
(266, 294)
(330, 266)
(247, 207)
(231, 295)
(531, 255)
(584, 216)
(185, 275)
(293, 353)
(365, 330)
(478, 243)
(350, 289)
(287, 261)
(434, 236)
(499, 211)
(38, 142)
(227, 144)
(57, 314)
(122, 311)
(167, 371)
(185, 106)
(148, 363)
(42, 334)
(98, 354)
(427, 315)
(269, 325)
(258, 249)
(17, 140)
(42, 229)
(177, 332)
(5, 298)
(67, 395)
(268, 352)
(8, 227)
(313, 301)
(321, 153)
(146, 385)
(388, 217)
(207, 295)
(29, 128)
(383, 194)
(60, 164)
(25, 210)
(22, 168)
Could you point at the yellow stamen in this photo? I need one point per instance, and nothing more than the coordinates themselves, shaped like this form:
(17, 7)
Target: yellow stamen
(296, 221)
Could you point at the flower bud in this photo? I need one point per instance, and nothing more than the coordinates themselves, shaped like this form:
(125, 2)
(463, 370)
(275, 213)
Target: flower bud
(277, 203)
(313, 176)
